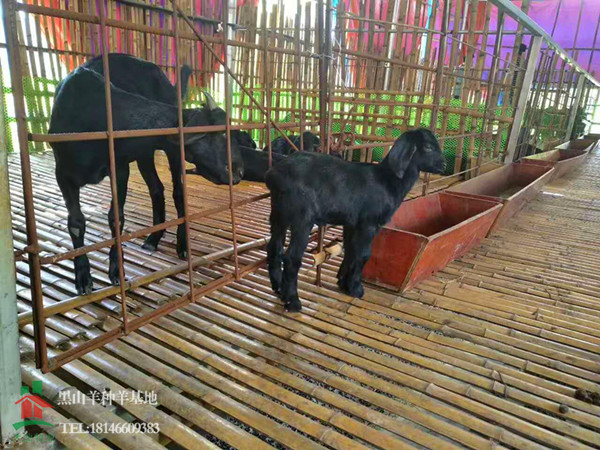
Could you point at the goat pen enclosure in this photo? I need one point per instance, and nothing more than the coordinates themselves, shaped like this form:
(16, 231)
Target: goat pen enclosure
(358, 74)
(497, 350)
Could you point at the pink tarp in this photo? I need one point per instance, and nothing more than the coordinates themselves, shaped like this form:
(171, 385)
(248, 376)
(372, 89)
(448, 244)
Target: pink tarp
(542, 11)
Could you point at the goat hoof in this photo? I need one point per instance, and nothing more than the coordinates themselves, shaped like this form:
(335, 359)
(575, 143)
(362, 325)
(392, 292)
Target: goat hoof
(149, 246)
(276, 286)
(85, 290)
(293, 305)
(113, 276)
(356, 292)
(182, 254)
(84, 284)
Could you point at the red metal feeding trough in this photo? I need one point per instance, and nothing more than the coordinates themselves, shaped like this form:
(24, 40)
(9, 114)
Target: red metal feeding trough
(585, 144)
(425, 234)
(562, 160)
(513, 185)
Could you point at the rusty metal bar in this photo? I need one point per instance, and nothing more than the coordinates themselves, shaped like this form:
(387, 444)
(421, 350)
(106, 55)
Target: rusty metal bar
(122, 134)
(324, 37)
(148, 230)
(186, 213)
(75, 302)
(16, 76)
(105, 48)
(136, 323)
(225, 12)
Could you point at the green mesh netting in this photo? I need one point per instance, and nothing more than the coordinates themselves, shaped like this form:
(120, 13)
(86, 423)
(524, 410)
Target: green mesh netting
(367, 120)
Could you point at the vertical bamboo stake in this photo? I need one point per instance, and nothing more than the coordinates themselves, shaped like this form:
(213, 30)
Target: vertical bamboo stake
(266, 79)
(465, 94)
(490, 102)
(306, 98)
(322, 105)
(439, 76)
(478, 72)
(297, 70)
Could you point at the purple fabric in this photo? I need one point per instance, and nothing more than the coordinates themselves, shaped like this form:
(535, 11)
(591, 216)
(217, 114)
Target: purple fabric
(544, 13)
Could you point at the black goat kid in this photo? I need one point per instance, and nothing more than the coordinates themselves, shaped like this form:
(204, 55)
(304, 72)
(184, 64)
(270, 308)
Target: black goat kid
(312, 188)
(79, 106)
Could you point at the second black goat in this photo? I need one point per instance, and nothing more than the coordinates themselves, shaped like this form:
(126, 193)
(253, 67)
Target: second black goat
(310, 189)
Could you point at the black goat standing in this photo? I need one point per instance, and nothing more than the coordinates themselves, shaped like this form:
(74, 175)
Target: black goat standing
(80, 107)
(312, 188)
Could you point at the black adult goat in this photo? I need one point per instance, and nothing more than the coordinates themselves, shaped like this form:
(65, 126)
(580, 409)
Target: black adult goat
(79, 106)
(312, 188)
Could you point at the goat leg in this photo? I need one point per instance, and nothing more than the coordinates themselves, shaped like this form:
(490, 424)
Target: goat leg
(157, 194)
(275, 253)
(359, 252)
(291, 266)
(176, 169)
(122, 180)
(76, 225)
(343, 271)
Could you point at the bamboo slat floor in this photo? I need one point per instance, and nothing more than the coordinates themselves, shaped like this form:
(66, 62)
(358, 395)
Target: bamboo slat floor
(498, 350)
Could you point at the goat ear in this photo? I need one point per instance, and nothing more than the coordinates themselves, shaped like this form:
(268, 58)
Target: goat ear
(401, 155)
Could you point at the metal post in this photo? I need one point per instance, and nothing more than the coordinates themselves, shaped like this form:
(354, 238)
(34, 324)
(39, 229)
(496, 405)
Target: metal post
(575, 106)
(180, 125)
(324, 31)
(227, 18)
(105, 49)
(10, 372)
(16, 79)
(534, 52)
